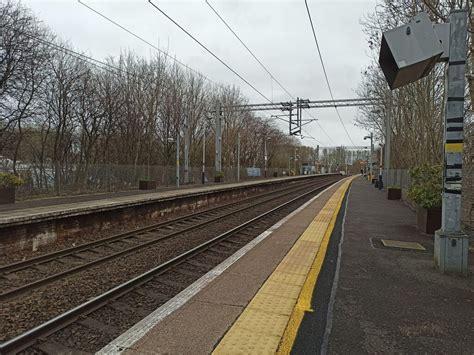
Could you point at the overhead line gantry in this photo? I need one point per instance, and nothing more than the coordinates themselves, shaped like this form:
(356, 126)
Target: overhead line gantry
(296, 121)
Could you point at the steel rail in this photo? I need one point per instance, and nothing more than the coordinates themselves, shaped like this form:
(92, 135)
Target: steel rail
(29, 338)
(69, 272)
(20, 265)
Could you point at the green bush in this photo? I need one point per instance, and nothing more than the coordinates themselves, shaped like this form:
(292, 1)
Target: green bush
(426, 186)
(10, 180)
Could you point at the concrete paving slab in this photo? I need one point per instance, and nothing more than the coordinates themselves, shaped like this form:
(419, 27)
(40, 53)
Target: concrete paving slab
(167, 337)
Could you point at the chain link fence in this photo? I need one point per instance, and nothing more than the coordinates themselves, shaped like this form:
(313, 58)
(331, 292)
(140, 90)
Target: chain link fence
(62, 180)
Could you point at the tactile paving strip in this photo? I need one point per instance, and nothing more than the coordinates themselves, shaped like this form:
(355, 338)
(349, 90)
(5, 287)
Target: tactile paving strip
(262, 324)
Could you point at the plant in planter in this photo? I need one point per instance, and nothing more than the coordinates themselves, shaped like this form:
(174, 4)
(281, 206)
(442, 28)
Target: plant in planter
(8, 184)
(425, 191)
(394, 193)
(219, 177)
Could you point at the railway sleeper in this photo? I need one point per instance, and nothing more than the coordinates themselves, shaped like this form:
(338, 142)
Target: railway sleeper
(53, 347)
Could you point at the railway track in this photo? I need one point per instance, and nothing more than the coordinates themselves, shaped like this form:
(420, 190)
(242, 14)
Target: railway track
(37, 272)
(80, 327)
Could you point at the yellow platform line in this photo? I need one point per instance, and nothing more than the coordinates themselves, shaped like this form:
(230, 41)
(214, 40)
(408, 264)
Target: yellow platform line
(270, 321)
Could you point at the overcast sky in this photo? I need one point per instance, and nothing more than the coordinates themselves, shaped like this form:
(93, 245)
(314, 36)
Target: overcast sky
(278, 32)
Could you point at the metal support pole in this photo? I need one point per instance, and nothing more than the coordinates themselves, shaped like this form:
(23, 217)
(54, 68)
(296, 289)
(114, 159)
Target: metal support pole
(371, 173)
(238, 156)
(295, 162)
(451, 244)
(186, 148)
(203, 173)
(388, 135)
(265, 156)
(218, 140)
(177, 160)
(381, 168)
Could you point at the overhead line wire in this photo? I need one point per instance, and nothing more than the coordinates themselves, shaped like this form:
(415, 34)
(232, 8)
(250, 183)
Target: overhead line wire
(247, 48)
(146, 42)
(261, 64)
(81, 56)
(210, 52)
(324, 70)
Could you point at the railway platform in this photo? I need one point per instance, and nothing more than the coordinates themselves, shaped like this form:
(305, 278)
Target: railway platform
(30, 225)
(347, 272)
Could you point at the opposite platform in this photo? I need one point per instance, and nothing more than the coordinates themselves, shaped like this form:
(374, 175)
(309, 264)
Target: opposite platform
(15, 216)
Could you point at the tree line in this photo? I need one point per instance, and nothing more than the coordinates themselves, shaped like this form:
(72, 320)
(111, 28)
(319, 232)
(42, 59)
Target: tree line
(63, 113)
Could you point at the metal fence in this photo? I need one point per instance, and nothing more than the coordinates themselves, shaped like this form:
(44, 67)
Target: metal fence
(50, 180)
(397, 178)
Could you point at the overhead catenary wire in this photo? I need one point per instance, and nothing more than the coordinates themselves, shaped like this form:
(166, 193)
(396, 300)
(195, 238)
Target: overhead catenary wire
(260, 63)
(88, 59)
(324, 70)
(209, 51)
(248, 49)
(147, 42)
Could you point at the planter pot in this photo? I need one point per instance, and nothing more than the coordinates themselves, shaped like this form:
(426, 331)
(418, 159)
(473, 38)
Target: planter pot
(147, 185)
(7, 195)
(429, 219)
(394, 193)
(218, 179)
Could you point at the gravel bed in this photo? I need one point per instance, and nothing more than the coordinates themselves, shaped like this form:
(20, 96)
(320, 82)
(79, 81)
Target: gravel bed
(122, 319)
(195, 268)
(32, 275)
(78, 336)
(178, 277)
(149, 302)
(42, 304)
(26, 276)
(115, 229)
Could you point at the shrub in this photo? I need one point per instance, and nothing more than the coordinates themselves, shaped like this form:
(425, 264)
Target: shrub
(426, 186)
(10, 180)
